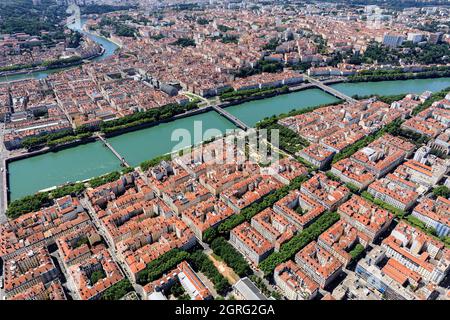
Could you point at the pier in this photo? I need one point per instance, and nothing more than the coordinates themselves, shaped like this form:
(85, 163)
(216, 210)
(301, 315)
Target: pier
(329, 90)
(231, 118)
(106, 143)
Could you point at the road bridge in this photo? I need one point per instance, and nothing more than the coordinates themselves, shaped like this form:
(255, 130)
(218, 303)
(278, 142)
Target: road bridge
(239, 123)
(329, 89)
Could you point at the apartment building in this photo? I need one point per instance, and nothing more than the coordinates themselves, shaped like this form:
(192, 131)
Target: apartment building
(248, 191)
(206, 214)
(418, 252)
(395, 191)
(327, 192)
(273, 226)
(294, 283)
(340, 239)
(250, 243)
(190, 281)
(77, 245)
(50, 291)
(354, 173)
(93, 276)
(426, 173)
(383, 155)
(42, 227)
(435, 214)
(298, 209)
(318, 263)
(317, 154)
(27, 269)
(392, 280)
(366, 217)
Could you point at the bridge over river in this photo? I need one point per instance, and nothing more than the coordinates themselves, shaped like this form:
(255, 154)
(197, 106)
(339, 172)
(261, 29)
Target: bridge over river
(329, 90)
(109, 146)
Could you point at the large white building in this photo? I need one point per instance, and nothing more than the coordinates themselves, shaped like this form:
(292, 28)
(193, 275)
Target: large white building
(392, 40)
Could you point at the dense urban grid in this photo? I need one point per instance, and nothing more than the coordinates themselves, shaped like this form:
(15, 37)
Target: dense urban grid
(353, 204)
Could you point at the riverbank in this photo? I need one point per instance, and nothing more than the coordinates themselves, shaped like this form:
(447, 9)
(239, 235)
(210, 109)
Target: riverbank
(399, 76)
(56, 148)
(4, 191)
(291, 89)
(263, 95)
(141, 126)
(23, 156)
(98, 35)
(108, 49)
(146, 125)
(392, 87)
(42, 68)
(21, 71)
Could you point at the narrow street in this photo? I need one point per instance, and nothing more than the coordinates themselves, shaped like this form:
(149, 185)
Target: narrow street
(91, 212)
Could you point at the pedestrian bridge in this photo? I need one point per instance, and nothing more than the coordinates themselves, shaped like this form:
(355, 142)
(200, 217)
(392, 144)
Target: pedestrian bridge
(106, 143)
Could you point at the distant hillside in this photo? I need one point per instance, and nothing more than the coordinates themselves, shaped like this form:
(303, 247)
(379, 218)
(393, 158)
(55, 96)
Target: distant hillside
(24, 16)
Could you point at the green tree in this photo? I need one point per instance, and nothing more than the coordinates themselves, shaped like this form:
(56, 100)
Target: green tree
(442, 191)
(117, 290)
(357, 251)
(184, 42)
(200, 262)
(177, 289)
(157, 267)
(231, 257)
(96, 276)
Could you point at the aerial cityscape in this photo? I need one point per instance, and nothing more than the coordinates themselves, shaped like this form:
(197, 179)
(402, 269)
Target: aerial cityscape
(224, 150)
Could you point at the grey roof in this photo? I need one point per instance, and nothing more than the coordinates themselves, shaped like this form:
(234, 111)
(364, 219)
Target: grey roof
(248, 290)
(156, 295)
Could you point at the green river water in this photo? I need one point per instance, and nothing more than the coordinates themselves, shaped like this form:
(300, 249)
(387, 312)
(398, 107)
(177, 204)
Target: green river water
(33, 174)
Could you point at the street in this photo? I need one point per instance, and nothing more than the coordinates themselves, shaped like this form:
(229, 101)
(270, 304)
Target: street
(91, 212)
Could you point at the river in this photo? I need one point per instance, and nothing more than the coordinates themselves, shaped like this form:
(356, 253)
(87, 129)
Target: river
(110, 48)
(254, 111)
(33, 174)
(388, 88)
(55, 168)
(149, 143)
(93, 159)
